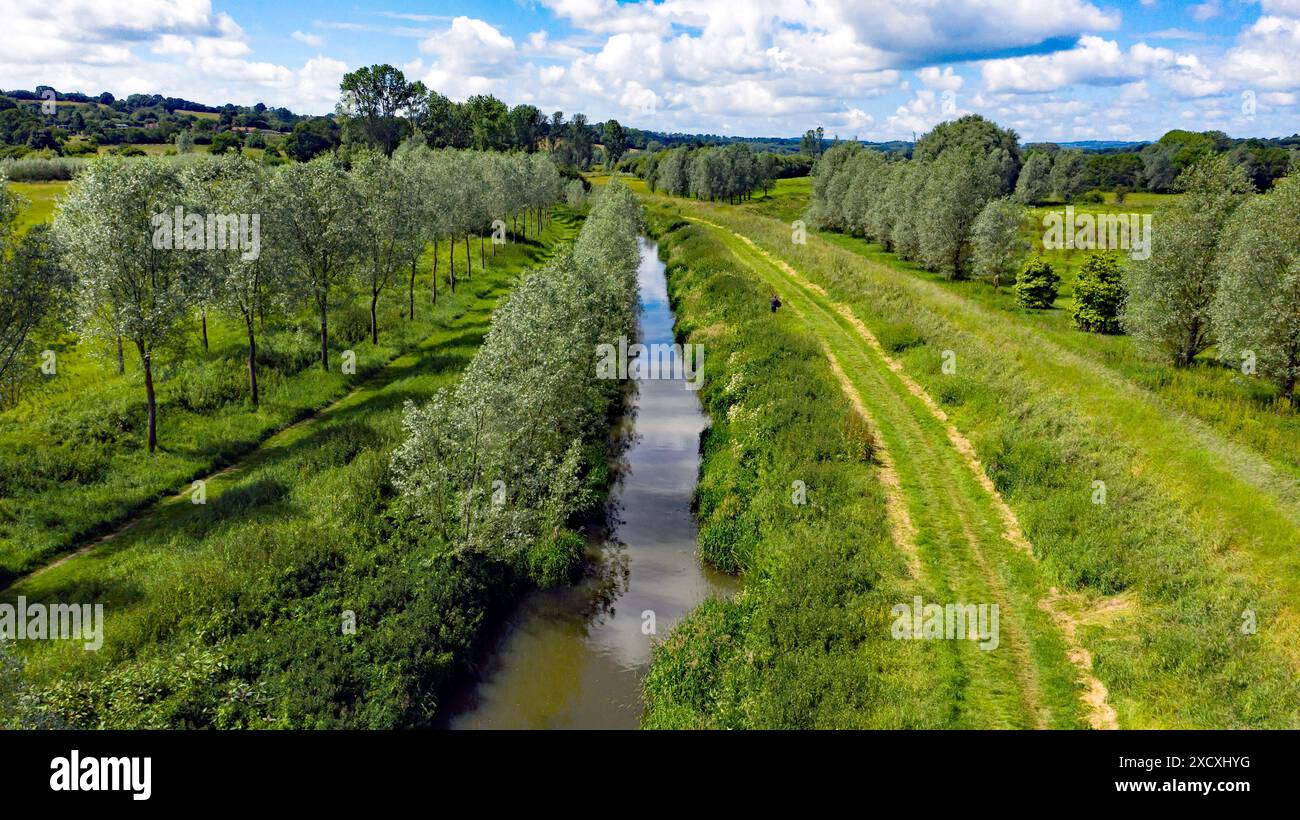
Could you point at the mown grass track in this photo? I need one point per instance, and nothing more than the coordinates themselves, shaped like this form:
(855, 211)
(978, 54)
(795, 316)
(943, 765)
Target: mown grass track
(1026, 682)
(1150, 588)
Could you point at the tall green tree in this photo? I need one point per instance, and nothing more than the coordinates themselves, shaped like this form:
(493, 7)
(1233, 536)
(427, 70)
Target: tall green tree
(615, 141)
(238, 281)
(1034, 184)
(974, 133)
(958, 185)
(314, 224)
(107, 225)
(997, 240)
(1171, 291)
(1256, 311)
(34, 287)
(373, 106)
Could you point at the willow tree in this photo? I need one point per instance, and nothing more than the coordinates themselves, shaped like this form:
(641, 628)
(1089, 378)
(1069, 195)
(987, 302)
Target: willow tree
(1171, 291)
(958, 185)
(412, 164)
(242, 282)
(997, 240)
(33, 286)
(106, 225)
(1256, 311)
(314, 224)
(387, 226)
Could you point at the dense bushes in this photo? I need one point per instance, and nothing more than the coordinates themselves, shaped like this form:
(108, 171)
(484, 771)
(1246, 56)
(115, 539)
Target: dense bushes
(36, 169)
(1037, 284)
(1099, 294)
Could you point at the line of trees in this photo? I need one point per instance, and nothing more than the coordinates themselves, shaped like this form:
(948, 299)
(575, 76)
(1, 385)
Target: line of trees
(731, 172)
(1223, 268)
(923, 210)
(503, 460)
(326, 231)
(380, 108)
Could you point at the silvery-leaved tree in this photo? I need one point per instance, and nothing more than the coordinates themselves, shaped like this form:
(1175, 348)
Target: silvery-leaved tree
(998, 242)
(958, 185)
(1256, 311)
(1035, 182)
(864, 187)
(1171, 291)
(903, 199)
(314, 225)
(106, 227)
(411, 163)
(33, 285)
(242, 280)
(534, 364)
(387, 225)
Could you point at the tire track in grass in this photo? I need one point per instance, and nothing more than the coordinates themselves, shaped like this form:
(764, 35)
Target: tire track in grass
(1093, 697)
(1235, 494)
(901, 527)
(1003, 688)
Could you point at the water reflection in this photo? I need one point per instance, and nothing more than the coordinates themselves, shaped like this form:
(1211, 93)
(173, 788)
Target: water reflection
(574, 657)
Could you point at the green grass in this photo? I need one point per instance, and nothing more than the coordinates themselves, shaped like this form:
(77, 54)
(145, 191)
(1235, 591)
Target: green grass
(230, 613)
(41, 198)
(1197, 527)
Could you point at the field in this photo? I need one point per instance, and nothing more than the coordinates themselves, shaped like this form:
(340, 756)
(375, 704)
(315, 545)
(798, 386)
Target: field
(1126, 612)
(41, 198)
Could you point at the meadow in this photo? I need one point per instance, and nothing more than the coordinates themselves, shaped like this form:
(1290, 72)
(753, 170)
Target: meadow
(1199, 511)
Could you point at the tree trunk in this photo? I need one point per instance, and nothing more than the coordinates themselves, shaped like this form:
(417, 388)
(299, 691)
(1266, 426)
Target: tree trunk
(469, 260)
(121, 362)
(324, 338)
(435, 270)
(252, 359)
(150, 399)
(451, 265)
(374, 321)
(411, 297)
(203, 317)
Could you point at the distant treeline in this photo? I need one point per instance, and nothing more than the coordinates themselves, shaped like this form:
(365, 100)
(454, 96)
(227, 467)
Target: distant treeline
(1154, 166)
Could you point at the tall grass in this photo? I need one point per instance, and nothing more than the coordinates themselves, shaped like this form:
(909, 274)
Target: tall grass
(804, 644)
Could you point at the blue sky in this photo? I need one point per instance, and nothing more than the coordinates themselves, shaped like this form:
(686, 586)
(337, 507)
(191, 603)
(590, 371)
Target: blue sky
(874, 69)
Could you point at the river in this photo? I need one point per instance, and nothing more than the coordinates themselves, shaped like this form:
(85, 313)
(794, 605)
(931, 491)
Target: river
(574, 657)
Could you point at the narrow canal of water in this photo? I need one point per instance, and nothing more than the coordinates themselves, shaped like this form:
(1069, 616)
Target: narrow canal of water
(574, 657)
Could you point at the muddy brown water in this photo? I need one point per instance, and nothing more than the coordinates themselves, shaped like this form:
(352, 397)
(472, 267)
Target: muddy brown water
(574, 657)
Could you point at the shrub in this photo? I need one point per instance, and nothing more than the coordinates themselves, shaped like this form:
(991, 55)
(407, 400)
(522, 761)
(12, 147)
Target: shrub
(351, 326)
(203, 387)
(1099, 294)
(1037, 284)
(1093, 197)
